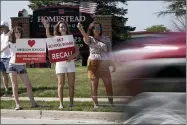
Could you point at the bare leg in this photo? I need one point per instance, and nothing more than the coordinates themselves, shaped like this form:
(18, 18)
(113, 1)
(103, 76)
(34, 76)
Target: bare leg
(5, 80)
(71, 83)
(61, 82)
(13, 78)
(26, 81)
(109, 90)
(94, 88)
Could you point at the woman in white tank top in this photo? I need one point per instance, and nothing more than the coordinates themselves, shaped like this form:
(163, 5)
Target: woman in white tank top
(65, 67)
(15, 69)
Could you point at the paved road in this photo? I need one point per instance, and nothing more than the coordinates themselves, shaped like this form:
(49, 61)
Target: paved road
(48, 121)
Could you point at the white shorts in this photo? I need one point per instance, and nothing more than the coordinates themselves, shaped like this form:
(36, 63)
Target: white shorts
(65, 67)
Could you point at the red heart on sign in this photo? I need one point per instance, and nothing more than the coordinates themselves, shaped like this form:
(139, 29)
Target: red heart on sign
(31, 43)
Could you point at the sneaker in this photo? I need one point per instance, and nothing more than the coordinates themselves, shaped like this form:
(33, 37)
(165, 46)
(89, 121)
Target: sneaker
(61, 107)
(112, 105)
(35, 105)
(17, 107)
(96, 106)
(71, 105)
(5, 94)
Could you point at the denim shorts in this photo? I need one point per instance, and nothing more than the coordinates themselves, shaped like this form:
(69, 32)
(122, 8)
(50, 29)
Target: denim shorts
(20, 69)
(4, 62)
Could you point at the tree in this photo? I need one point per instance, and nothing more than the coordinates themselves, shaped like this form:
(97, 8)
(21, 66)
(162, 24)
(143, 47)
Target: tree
(119, 29)
(104, 7)
(157, 28)
(176, 7)
(180, 23)
(34, 4)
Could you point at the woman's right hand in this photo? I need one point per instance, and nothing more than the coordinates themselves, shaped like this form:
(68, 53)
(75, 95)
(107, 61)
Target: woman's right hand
(92, 25)
(80, 26)
(45, 23)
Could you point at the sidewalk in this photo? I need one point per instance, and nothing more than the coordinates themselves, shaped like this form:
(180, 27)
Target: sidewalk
(105, 117)
(114, 117)
(52, 122)
(67, 99)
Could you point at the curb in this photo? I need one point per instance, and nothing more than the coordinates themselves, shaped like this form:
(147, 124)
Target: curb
(64, 115)
(67, 99)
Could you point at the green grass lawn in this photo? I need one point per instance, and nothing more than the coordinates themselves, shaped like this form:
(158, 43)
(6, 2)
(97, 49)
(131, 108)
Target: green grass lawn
(79, 106)
(44, 83)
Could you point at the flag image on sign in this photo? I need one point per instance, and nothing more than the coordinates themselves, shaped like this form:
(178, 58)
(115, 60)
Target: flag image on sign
(61, 11)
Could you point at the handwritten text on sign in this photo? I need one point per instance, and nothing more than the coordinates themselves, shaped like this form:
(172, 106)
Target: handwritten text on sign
(30, 50)
(60, 47)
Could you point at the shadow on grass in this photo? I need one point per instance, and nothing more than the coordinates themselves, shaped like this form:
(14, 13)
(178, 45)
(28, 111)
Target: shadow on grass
(40, 107)
(2, 92)
(43, 88)
(24, 90)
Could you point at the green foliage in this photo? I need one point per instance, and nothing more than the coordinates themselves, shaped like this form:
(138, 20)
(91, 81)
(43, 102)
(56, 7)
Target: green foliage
(176, 7)
(34, 4)
(157, 28)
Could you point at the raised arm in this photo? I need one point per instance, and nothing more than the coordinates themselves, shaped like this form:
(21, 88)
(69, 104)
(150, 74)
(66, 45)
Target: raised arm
(86, 37)
(46, 25)
(3, 49)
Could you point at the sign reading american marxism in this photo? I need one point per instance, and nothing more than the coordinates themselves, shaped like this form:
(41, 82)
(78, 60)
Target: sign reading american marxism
(30, 50)
(60, 47)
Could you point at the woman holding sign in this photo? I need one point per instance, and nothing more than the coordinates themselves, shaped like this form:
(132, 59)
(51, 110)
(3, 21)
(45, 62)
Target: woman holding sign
(15, 69)
(64, 67)
(98, 61)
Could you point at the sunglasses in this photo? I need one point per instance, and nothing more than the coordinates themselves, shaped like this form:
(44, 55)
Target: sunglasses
(97, 28)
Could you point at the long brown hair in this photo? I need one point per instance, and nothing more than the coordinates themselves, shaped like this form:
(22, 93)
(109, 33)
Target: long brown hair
(56, 28)
(12, 37)
(90, 31)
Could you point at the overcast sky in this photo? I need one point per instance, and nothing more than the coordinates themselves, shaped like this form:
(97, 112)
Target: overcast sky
(140, 13)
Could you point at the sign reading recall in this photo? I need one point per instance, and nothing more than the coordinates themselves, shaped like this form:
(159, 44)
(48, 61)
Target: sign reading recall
(60, 47)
